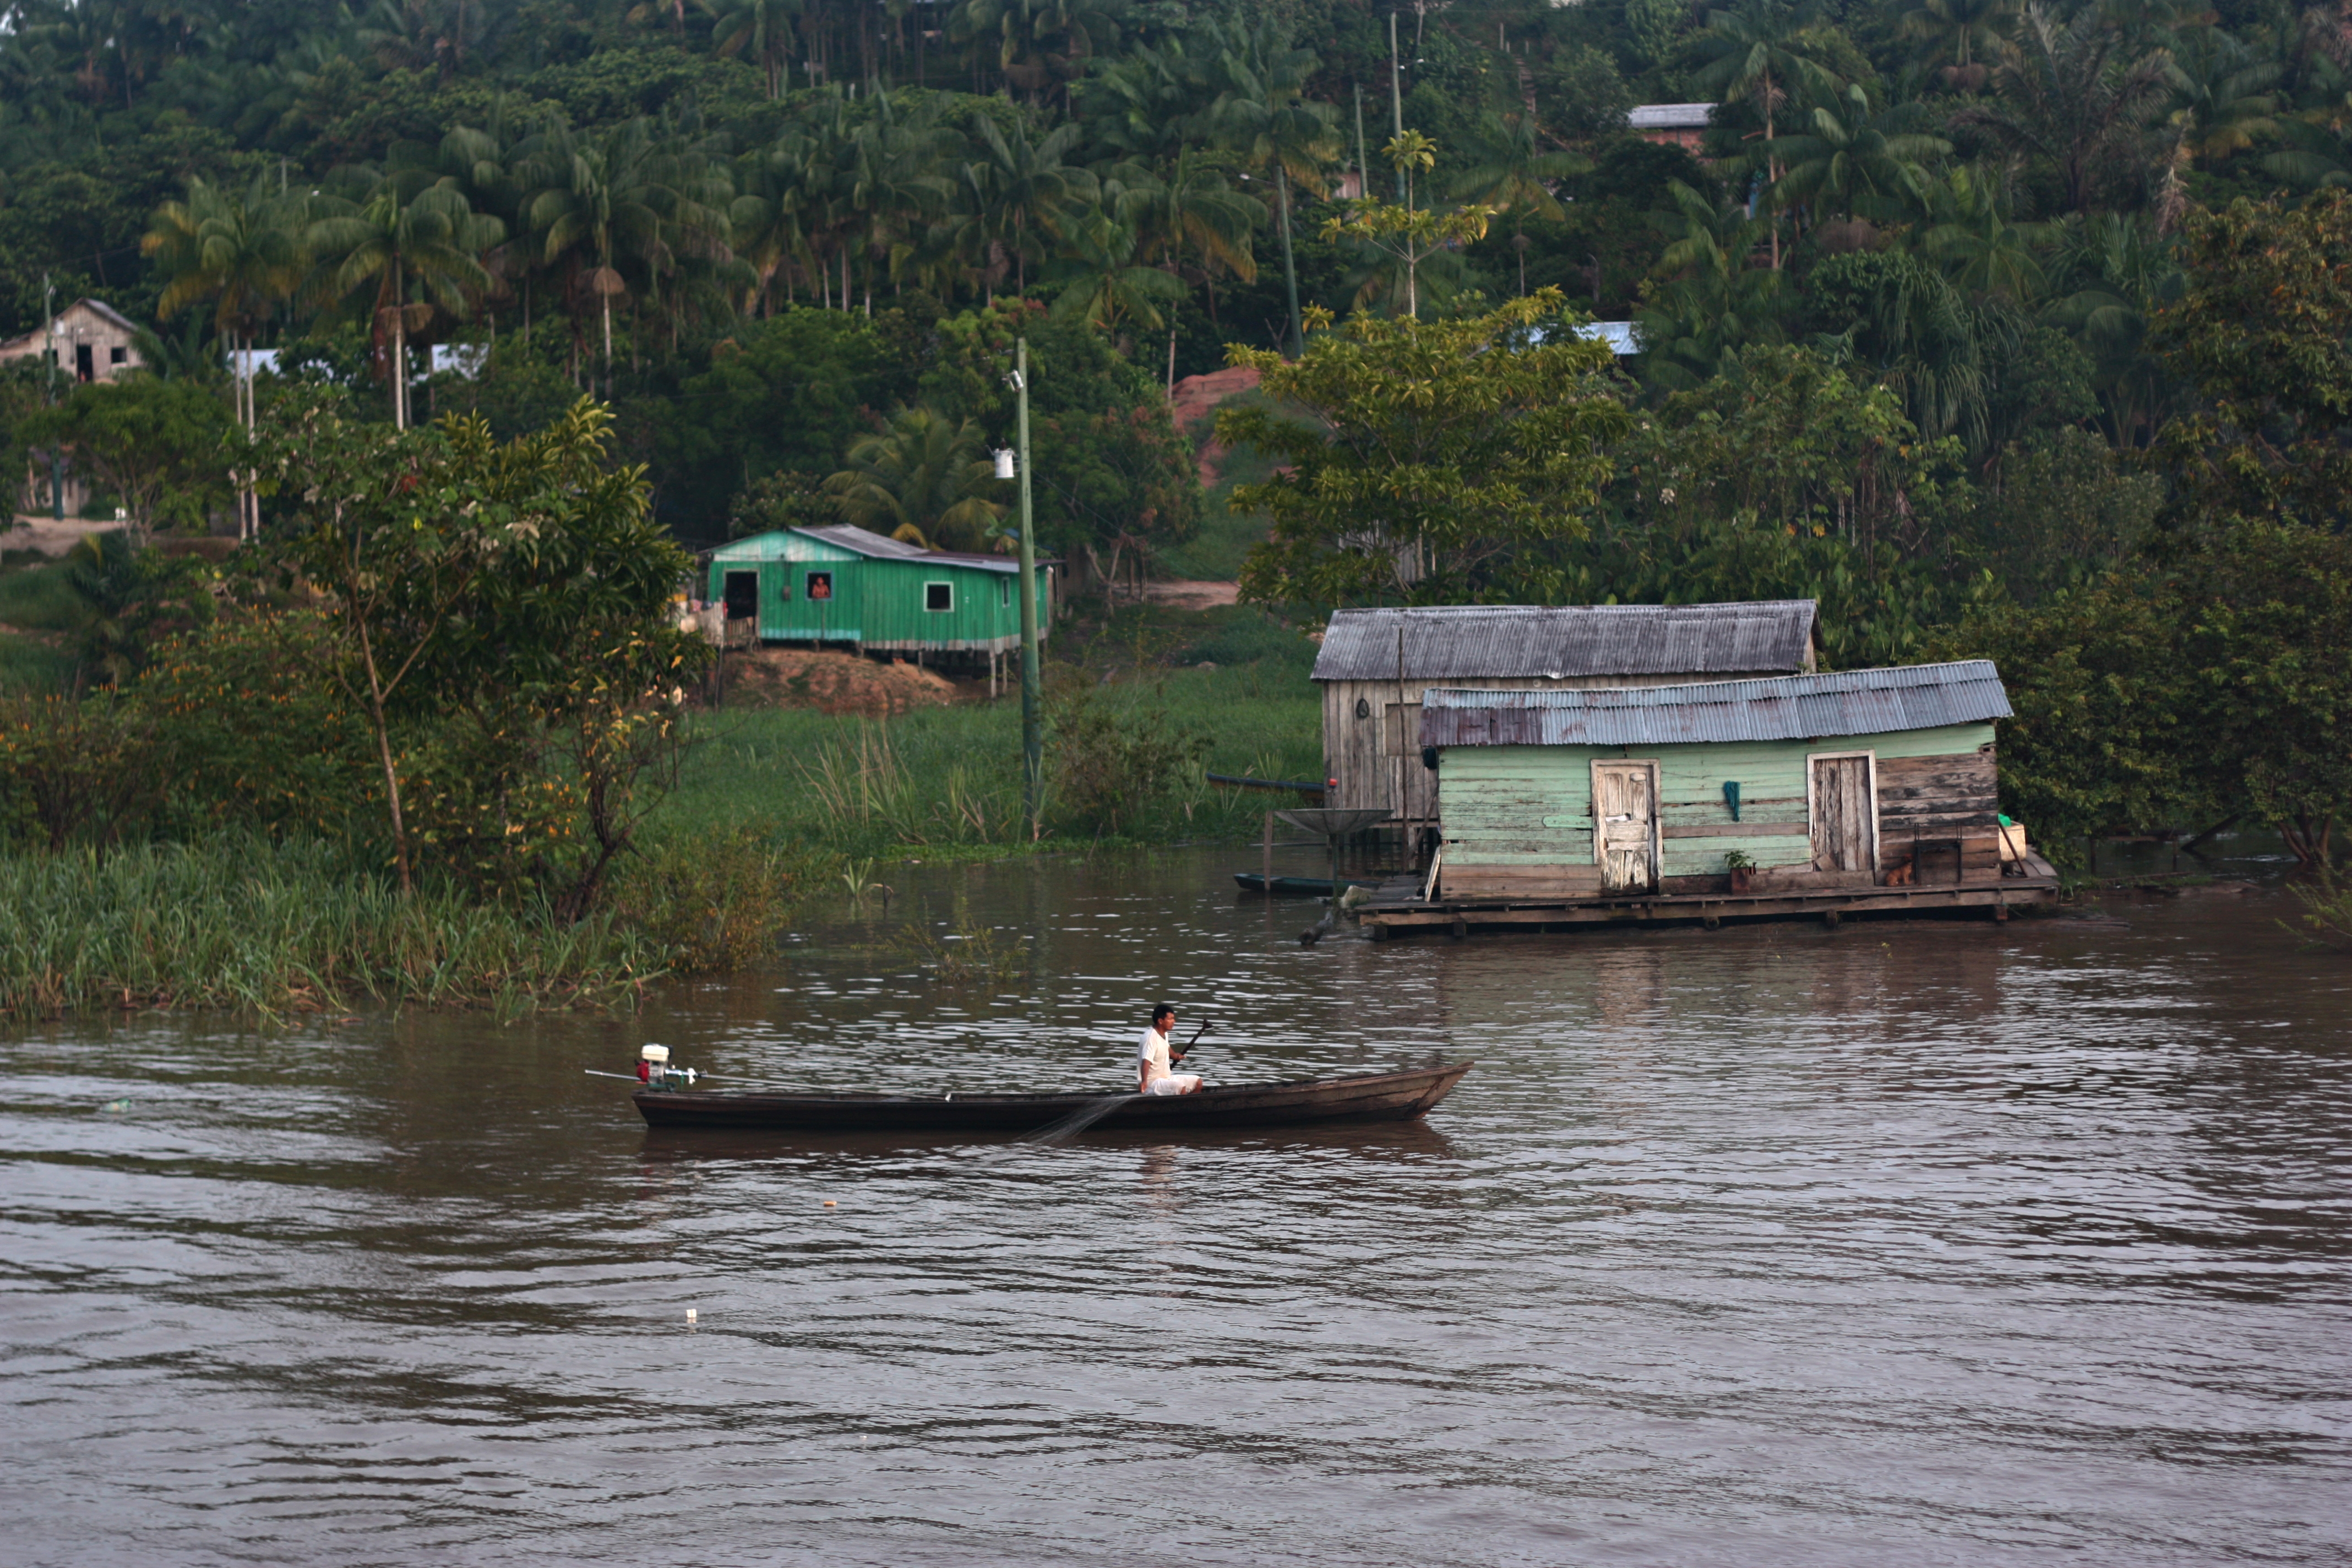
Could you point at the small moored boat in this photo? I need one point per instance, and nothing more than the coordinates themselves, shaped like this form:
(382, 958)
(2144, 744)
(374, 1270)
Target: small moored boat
(1369, 1096)
(1296, 887)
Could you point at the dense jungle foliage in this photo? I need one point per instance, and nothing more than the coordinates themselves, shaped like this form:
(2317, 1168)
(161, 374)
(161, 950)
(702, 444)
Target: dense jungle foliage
(2015, 329)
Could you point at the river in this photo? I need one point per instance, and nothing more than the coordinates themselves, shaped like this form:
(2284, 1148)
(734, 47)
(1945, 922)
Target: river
(1905, 1243)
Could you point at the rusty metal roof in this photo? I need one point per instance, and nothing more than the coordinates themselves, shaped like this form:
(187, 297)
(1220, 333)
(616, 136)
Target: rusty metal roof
(1780, 708)
(1471, 642)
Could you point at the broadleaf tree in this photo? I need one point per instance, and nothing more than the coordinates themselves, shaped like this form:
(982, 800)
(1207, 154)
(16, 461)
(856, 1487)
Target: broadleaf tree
(1418, 459)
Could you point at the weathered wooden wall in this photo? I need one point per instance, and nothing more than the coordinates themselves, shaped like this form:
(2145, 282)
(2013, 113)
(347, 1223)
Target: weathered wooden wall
(1517, 820)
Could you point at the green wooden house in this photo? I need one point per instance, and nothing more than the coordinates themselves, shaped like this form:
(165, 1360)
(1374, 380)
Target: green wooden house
(843, 584)
(1869, 788)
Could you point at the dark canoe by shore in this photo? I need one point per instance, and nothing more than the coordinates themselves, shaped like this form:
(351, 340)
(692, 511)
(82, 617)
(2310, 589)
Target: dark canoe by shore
(1296, 887)
(1371, 1096)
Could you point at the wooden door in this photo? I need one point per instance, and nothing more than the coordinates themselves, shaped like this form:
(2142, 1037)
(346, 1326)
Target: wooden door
(1844, 816)
(1413, 791)
(1625, 825)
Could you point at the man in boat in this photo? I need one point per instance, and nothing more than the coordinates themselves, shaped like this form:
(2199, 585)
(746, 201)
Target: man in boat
(1153, 1074)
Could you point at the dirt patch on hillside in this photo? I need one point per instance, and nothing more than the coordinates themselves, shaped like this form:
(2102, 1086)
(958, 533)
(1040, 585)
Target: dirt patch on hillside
(836, 683)
(1183, 593)
(1195, 401)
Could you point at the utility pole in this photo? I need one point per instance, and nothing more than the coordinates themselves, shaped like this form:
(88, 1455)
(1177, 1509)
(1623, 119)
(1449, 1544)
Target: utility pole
(1396, 96)
(1033, 733)
(56, 454)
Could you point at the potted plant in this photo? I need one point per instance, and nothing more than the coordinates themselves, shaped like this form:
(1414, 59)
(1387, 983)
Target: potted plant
(1742, 866)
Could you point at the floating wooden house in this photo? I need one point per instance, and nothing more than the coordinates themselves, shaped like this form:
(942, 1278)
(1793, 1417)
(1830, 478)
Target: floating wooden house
(1375, 665)
(842, 585)
(1870, 789)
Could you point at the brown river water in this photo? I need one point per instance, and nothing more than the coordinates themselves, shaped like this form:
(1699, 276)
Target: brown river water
(1917, 1242)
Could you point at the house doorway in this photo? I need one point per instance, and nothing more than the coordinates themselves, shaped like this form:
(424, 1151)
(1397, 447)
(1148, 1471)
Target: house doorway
(1625, 825)
(741, 593)
(1843, 811)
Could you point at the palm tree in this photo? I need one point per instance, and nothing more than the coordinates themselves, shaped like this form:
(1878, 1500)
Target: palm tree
(1019, 193)
(918, 479)
(244, 255)
(1261, 113)
(1038, 42)
(1958, 31)
(1970, 237)
(894, 181)
(1764, 49)
(761, 30)
(2222, 101)
(1859, 161)
(1103, 270)
(409, 252)
(1510, 172)
(1712, 303)
(2072, 93)
(1194, 213)
(619, 197)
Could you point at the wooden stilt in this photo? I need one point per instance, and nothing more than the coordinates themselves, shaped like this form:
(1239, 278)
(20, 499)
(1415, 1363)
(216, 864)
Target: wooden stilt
(1266, 856)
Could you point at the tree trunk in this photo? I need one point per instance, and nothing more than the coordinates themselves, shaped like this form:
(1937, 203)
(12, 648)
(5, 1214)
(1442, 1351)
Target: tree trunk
(399, 367)
(1289, 267)
(1772, 171)
(384, 753)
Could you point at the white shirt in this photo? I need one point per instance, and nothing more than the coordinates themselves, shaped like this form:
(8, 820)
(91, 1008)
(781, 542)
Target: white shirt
(1152, 1056)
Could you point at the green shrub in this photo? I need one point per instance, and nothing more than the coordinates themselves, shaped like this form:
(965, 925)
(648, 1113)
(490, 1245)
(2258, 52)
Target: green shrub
(718, 900)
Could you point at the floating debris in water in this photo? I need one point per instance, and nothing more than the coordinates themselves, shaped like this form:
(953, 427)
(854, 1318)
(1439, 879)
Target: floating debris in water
(116, 1106)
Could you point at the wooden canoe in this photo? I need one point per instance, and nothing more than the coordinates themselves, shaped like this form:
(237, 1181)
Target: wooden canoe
(1371, 1097)
(1294, 886)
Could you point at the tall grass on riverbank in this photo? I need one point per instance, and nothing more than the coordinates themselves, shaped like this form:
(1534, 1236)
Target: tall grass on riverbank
(248, 926)
(947, 781)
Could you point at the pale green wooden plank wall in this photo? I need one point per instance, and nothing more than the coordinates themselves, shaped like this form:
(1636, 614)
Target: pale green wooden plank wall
(1532, 806)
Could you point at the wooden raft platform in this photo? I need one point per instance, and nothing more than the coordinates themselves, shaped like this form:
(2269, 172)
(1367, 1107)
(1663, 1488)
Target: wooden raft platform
(1398, 905)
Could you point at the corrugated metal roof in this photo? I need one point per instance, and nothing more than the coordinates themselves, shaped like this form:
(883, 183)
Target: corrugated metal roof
(1780, 708)
(1669, 116)
(1470, 642)
(1623, 337)
(848, 536)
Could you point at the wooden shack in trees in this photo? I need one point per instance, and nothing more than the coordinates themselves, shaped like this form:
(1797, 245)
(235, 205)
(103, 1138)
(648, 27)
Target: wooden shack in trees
(842, 585)
(1868, 789)
(1375, 664)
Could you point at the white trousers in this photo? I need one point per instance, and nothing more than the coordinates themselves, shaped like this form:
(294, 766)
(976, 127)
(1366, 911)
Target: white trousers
(1175, 1083)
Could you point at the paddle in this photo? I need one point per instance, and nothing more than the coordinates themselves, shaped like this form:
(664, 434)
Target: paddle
(1085, 1116)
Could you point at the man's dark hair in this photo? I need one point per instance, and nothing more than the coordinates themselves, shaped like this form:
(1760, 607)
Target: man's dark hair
(1160, 1010)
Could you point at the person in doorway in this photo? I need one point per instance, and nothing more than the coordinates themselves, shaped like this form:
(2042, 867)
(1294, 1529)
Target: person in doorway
(1153, 1071)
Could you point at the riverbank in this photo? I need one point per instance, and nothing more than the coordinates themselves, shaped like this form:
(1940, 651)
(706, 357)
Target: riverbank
(1128, 750)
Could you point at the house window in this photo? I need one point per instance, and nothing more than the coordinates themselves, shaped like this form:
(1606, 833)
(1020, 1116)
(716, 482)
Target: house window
(1004, 593)
(938, 596)
(819, 586)
(118, 355)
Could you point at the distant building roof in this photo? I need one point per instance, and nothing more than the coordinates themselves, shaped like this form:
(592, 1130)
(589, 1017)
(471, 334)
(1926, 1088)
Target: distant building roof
(1780, 707)
(1670, 117)
(849, 536)
(1466, 642)
(863, 541)
(1623, 337)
